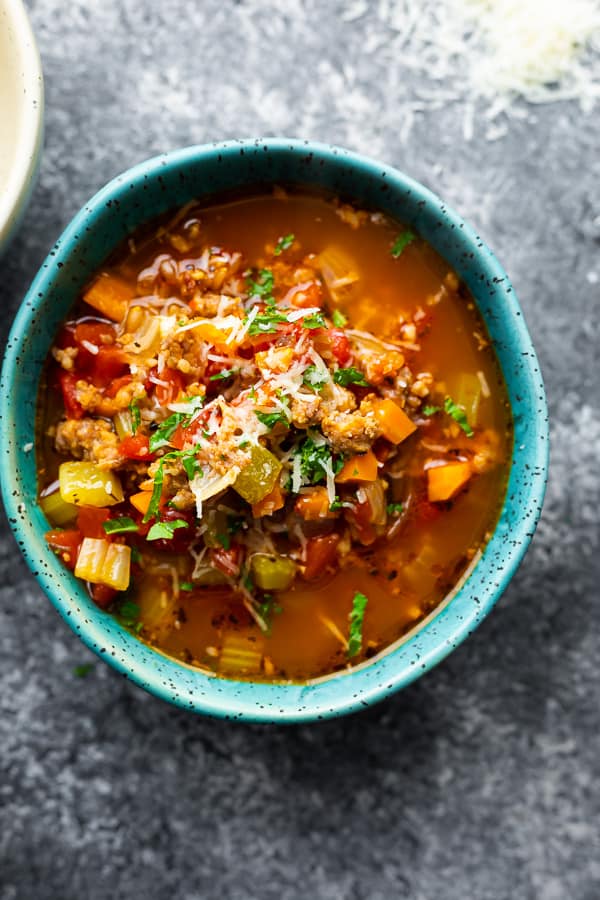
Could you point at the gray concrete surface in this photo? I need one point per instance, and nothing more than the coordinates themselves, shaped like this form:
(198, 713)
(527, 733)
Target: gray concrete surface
(480, 782)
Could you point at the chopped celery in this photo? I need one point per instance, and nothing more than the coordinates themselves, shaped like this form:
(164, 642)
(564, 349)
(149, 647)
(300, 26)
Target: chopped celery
(272, 573)
(258, 478)
(55, 509)
(241, 653)
(467, 394)
(104, 563)
(123, 423)
(86, 484)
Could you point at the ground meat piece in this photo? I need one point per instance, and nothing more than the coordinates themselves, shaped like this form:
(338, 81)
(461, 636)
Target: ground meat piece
(337, 399)
(65, 358)
(94, 400)
(379, 365)
(92, 439)
(209, 305)
(187, 348)
(305, 410)
(351, 432)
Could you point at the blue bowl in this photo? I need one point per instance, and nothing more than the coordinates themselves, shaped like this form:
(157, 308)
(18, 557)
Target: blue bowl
(156, 186)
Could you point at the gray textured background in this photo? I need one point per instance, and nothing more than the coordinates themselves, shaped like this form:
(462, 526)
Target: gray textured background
(480, 782)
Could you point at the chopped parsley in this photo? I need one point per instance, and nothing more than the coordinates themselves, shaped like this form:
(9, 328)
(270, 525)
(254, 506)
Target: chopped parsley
(136, 416)
(431, 410)
(267, 609)
(262, 286)
(119, 526)
(186, 586)
(222, 376)
(314, 459)
(284, 243)
(160, 437)
(402, 241)
(136, 556)
(190, 465)
(314, 378)
(270, 420)
(224, 540)
(394, 509)
(337, 504)
(459, 415)
(83, 670)
(165, 530)
(359, 604)
(313, 321)
(266, 322)
(128, 614)
(339, 319)
(350, 376)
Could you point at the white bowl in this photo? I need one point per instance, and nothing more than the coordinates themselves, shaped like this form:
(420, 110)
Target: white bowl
(21, 114)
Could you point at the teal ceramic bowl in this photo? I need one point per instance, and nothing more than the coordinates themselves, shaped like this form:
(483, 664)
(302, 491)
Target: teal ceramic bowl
(169, 181)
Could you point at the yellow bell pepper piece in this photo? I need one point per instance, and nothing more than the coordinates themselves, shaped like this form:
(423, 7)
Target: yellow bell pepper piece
(86, 484)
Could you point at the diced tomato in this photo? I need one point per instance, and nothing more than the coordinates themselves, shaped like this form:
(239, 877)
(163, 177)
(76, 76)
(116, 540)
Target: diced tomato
(65, 544)
(340, 346)
(116, 384)
(228, 561)
(173, 385)
(182, 436)
(319, 554)
(102, 595)
(68, 385)
(97, 333)
(136, 446)
(109, 363)
(305, 295)
(359, 516)
(180, 541)
(428, 512)
(89, 521)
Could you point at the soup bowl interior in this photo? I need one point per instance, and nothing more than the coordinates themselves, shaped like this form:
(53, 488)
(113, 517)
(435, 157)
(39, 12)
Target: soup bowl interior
(164, 183)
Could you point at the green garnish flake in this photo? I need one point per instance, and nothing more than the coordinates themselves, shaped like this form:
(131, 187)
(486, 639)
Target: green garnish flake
(266, 322)
(284, 243)
(128, 613)
(136, 416)
(119, 526)
(267, 609)
(314, 378)
(160, 437)
(225, 541)
(359, 604)
(338, 318)
(270, 420)
(336, 504)
(152, 510)
(350, 376)
(313, 321)
(190, 465)
(314, 459)
(402, 241)
(222, 376)
(136, 556)
(394, 509)
(431, 410)
(459, 415)
(165, 530)
(262, 286)
(186, 586)
(83, 670)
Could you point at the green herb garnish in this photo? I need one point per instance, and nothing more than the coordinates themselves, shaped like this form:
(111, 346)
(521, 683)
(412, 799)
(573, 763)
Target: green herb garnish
(283, 244)
(336, 504)
(431, 410)
(83, 670)
(186, 586)
(315, 320)
(190, 465)
(136, 416)
(165, 530)
(359, 604)
(314, 459)
(119, 526)
(314, 378)
(262, 286)
(402, 241)
(221, 376)
(459, 415)
(350, 376)
(152, 510)
(270, 420)
(394, 509)
(266, 322)
(136, 556)
(338, 318)
(224, 540)
(128, 613)
(160, 437)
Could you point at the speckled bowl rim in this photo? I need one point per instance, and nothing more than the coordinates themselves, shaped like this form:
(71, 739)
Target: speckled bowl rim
(347, 691)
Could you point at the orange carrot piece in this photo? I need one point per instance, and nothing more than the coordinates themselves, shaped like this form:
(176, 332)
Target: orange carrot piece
(269, 504)
(141, 501)
(444, 482)
(110, 295)
(362, 467)
(314, 505)
(395, 424)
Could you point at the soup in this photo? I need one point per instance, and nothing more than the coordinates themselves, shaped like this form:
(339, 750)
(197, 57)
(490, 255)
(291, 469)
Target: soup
(273, 435)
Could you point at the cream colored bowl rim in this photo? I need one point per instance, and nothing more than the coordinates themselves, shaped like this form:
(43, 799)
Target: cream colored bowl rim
(14, 193)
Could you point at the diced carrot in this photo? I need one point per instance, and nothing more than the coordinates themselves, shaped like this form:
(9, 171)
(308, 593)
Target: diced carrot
(443, 482)
(68, 385)
(141, 501)
(395, 424)
(110, 295)
(320, 553)
(269, 504)
(362, 467)
(314, 505)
